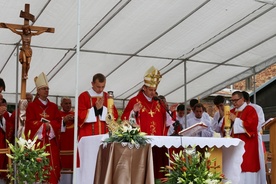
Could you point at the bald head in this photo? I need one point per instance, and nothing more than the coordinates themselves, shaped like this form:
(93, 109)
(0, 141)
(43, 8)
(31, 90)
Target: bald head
(29, 97)
(66, 104)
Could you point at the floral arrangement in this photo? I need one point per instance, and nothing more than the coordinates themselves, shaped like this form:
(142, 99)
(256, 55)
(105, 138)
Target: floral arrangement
(125, 133)
(32, 164)
(191, 167)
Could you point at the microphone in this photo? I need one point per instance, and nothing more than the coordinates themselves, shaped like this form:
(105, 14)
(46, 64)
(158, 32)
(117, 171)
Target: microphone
(176, 124)
(156, 98)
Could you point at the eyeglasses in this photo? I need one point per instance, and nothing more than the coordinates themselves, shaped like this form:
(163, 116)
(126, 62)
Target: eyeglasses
(235, 100)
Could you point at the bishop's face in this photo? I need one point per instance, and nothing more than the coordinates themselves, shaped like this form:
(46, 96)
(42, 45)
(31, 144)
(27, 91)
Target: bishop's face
(43, 92)
(149, 91)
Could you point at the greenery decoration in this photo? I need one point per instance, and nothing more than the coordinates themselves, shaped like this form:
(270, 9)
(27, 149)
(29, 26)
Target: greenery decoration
(191, 167)
(30, 160)
(126, 133)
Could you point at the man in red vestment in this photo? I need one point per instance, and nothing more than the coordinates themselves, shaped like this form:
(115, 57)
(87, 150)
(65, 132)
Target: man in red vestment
(43, 120)
(2, 85)
(150, 115)
(92, 108)
(5, 133)
(67, 132)
(244, 126)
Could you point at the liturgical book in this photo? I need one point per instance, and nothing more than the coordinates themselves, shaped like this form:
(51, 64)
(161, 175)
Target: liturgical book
(193, 130)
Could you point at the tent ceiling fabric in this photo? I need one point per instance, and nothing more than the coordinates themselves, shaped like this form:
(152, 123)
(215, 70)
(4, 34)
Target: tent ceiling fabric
(207, 44)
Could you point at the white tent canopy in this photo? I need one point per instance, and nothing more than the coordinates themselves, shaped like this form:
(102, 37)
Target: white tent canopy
(199, 46)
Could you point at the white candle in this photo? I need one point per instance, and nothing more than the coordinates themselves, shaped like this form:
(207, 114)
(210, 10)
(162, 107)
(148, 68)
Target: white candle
(227, 121)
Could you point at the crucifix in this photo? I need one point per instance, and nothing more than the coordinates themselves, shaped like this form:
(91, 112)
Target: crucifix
(26, 31)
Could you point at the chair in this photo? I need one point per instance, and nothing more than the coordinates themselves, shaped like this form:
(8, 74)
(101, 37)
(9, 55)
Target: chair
(66, 153)
(6, 151)
(268, 157)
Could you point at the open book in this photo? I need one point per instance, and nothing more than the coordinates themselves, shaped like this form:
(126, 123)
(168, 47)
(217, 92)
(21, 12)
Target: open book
(44, 120)
(266, 122)
(193, 130)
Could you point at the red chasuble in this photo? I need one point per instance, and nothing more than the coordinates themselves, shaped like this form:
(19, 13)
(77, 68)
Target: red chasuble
(34, 112)
(67, 141)
(151, 117)
(7, 134)
(152, 120)
(249, 119)
(86, 102)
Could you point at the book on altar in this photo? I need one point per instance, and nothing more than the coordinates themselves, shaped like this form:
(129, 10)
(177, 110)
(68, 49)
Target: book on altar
(193, 130)
(44, 120)
(266, 122)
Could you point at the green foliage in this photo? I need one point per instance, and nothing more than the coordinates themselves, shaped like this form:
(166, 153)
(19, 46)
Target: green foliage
(32, 164)
(126, 133)
(190, 167)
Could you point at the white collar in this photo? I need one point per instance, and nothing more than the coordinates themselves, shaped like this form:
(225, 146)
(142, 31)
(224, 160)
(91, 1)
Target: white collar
(241, 107)
(148, 98)
(93, 93)
(43, 101)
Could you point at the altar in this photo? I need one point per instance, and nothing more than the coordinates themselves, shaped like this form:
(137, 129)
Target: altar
(232, 151)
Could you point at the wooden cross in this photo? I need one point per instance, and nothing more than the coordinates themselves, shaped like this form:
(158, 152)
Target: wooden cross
(26, 31)
(215, 166)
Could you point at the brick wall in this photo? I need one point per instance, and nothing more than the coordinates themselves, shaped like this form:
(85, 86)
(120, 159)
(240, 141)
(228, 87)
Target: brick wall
(261, 78)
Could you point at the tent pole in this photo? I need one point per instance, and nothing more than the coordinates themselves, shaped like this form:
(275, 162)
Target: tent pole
(16, 104)
(185, 91)
(254, 86)
(76, 96)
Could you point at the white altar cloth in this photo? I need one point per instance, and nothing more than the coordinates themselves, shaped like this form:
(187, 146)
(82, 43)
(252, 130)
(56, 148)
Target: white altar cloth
(232, 150)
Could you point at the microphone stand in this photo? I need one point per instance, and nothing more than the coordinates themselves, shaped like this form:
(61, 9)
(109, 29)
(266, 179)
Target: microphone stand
(176, 124)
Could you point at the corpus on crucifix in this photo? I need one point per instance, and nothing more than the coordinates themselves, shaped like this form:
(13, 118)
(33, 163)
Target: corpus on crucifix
(26, 32)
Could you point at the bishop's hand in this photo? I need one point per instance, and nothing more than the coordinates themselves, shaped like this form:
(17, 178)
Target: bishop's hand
(137, 107)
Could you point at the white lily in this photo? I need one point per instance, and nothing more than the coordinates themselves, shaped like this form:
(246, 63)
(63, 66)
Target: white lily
(30, 143)
(207, 155)
(190, 151)
(21, 142)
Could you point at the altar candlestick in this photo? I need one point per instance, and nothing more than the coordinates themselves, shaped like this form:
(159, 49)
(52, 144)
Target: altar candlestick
(110, 101)
(227, 121)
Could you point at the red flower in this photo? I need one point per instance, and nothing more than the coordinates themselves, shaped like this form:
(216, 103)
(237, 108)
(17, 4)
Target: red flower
(184, 169)
(164, 180)
(38, 159)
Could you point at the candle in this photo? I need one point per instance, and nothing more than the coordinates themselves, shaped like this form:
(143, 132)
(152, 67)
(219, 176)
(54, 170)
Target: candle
(110, 101)
(227, 121)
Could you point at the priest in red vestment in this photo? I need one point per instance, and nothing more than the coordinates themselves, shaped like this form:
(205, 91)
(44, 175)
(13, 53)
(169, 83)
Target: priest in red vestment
(43, 120)
(244, 127)
(150, 115)
(67, 132)
(92, 108)
(6, 130)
